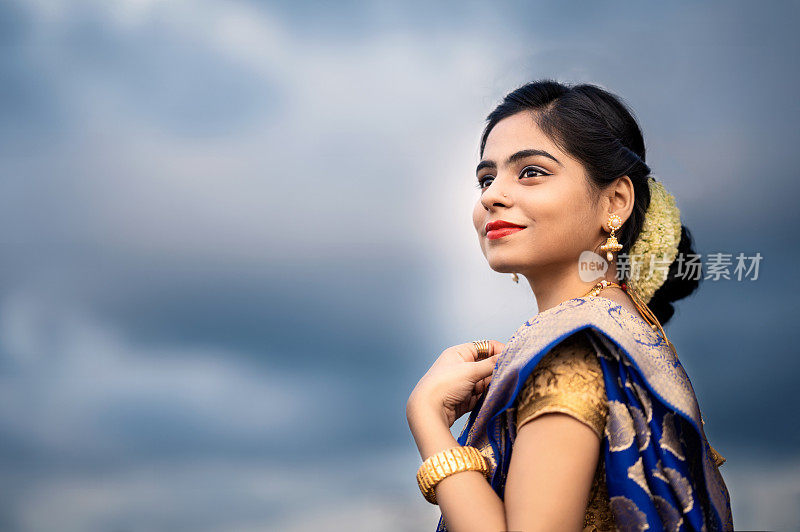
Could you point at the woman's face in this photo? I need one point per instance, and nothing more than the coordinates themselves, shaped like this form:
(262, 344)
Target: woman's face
(550, 198)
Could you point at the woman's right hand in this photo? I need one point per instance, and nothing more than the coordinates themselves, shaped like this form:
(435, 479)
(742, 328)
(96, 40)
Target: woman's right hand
(454, 383)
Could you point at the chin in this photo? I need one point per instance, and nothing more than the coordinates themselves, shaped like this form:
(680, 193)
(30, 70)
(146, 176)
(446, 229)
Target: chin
(503, 266)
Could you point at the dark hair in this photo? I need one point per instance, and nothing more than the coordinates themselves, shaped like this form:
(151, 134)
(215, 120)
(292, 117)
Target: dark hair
(598, 129)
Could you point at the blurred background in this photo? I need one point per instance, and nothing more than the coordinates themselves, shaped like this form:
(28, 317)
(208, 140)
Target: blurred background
(235, 234)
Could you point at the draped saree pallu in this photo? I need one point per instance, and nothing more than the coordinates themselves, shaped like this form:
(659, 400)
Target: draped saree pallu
(661, 472)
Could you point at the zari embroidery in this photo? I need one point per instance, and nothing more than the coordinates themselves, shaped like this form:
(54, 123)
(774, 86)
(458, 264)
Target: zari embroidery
(645, 383)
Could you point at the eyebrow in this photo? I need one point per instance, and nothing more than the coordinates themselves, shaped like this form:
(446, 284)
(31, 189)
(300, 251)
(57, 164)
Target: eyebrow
(514, 157)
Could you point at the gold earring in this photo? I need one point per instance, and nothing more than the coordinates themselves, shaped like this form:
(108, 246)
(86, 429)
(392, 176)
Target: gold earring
(515, 277)
(612, 246)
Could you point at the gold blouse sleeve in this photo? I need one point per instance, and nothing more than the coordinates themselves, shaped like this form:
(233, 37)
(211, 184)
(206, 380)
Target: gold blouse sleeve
(569, 380)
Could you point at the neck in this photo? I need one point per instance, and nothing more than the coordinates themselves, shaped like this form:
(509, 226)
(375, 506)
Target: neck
(554, 285)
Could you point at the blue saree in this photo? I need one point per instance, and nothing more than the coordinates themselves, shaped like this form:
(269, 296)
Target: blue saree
(661, 473)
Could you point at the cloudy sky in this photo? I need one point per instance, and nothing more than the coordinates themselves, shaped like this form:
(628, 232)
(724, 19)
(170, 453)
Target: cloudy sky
(235, 234)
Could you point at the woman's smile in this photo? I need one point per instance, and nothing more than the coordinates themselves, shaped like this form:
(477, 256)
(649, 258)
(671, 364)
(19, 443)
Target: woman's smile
(500, 233)
(500, 228)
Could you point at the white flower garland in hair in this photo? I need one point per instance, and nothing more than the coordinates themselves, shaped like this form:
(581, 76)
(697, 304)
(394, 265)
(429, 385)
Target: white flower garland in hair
(660, 236)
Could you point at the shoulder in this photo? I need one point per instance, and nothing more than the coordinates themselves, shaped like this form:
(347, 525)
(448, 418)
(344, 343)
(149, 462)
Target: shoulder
(602, 315)
(568, 379)
(572, 361)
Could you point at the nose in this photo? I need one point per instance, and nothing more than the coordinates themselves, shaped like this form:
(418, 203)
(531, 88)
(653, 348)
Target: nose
(495, 195)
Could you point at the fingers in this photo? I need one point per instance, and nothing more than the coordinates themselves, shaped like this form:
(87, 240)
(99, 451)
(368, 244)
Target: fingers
(482, 385)
(483, 368)
(496, 347)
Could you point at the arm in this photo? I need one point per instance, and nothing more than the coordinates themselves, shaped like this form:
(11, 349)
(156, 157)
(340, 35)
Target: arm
(550, 474)
(548, 482)
(467, 501)
(450, 389)
(560, 420)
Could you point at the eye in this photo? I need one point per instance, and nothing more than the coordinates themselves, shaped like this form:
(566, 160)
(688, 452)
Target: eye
(482, 181)
(529, 170)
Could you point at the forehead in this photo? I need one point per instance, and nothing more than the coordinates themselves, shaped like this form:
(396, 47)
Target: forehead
(517, 132)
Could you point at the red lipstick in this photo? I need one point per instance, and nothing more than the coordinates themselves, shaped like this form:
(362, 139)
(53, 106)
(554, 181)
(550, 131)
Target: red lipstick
(500, 228)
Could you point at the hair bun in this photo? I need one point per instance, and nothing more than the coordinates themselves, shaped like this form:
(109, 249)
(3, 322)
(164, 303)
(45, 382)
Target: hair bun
(676, 286)
(660, 237)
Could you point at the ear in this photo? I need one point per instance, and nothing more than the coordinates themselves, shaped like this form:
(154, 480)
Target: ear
(619, 197)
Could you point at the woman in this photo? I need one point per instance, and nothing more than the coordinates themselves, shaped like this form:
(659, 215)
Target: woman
(585, 419)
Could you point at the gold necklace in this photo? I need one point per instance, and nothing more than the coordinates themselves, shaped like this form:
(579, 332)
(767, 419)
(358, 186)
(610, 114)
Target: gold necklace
(599, 286)
(644, 310)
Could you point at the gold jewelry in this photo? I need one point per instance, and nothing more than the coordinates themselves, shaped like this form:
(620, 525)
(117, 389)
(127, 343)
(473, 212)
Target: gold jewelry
(446, 463)
(599, 286)
(660, 236)
(483, 347)
(612, 246)
(515, 277)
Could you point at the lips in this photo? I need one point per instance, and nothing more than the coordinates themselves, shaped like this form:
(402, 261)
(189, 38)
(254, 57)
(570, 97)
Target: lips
(500, 224)
(501, 228)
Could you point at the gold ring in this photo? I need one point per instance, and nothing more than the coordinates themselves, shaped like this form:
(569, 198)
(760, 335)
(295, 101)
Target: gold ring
(483, 347)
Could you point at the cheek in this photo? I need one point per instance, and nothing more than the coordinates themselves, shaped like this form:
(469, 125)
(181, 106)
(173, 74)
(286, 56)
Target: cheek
(478, 216)
(558, 222)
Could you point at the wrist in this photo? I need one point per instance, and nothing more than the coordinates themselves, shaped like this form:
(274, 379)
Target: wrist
(421, 409)
(430, 430)
(433, 437)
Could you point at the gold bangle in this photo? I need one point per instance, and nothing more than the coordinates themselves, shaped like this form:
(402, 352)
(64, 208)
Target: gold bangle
(446, 463)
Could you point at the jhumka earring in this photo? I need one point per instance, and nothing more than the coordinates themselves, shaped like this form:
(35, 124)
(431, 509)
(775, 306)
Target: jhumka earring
(515, 277)
(612, 246)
